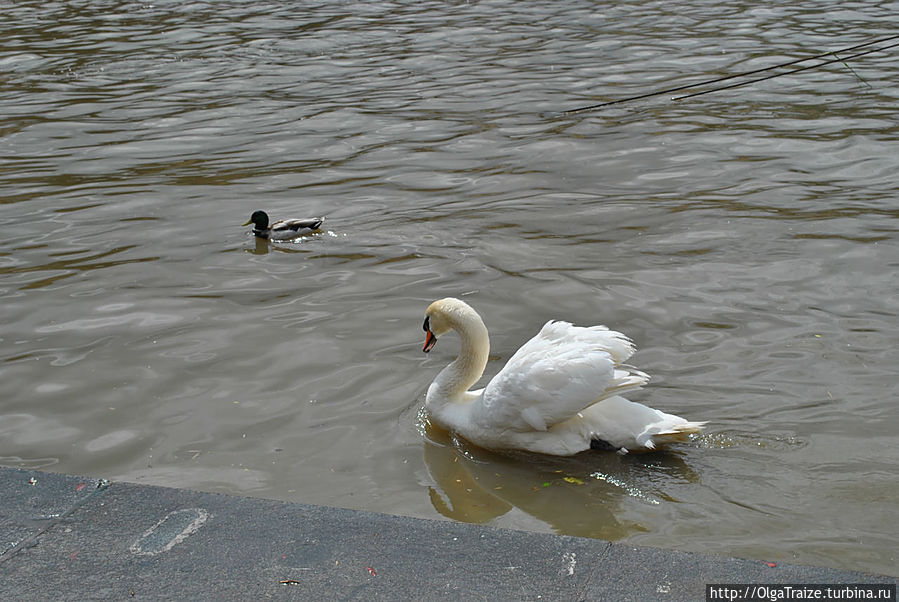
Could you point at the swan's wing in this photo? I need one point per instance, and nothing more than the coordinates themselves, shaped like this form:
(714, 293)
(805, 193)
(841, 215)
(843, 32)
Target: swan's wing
(555, 375)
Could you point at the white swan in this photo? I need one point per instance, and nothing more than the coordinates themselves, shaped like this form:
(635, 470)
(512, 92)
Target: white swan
(557, 395)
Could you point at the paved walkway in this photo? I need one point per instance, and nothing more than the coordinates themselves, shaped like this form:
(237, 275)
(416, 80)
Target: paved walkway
(65, 537)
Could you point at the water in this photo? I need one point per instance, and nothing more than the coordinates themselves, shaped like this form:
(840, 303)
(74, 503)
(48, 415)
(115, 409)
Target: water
(746, 240)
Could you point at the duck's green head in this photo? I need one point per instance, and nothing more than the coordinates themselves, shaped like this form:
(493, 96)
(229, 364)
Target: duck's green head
(259, 219)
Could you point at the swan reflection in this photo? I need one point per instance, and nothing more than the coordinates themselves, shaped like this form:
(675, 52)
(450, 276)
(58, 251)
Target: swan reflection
(587, 495)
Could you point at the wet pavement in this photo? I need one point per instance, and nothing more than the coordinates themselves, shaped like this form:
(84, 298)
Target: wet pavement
(65, 537)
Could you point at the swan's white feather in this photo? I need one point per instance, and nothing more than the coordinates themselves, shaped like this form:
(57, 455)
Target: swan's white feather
(559, 372)
(558, 393)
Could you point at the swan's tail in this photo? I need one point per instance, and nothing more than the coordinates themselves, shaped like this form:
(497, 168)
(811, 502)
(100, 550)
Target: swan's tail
(678, 433)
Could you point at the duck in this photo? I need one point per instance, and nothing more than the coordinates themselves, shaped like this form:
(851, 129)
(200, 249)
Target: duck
(284, 229)
(559, 394)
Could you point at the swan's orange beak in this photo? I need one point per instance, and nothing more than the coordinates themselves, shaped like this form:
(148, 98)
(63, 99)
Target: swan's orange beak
(430, 341)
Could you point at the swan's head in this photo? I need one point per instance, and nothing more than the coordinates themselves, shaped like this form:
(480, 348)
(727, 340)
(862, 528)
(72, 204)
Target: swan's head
(445, 315)
(259, 219)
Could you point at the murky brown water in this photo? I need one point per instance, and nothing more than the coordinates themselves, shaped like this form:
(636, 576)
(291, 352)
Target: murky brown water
(747, 241)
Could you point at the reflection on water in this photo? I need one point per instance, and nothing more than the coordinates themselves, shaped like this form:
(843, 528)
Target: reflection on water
(580, 495)
(478, 487)
(746, 240)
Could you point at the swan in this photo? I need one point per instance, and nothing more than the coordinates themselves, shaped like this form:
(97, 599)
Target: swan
(284, 229)
(558, 394)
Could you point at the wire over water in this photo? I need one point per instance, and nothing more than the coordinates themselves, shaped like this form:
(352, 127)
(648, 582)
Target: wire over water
(746, 74)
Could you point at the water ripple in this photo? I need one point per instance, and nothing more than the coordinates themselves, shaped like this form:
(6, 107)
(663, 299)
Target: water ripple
(745, 239)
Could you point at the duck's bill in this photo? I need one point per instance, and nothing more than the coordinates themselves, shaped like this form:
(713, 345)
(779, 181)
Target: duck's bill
(430, 341)
(249, 221)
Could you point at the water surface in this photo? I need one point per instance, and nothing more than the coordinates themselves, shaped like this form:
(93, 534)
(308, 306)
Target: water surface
(746, 240)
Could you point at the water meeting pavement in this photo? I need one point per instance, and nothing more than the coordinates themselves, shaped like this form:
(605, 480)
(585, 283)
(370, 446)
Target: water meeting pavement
(65, 537)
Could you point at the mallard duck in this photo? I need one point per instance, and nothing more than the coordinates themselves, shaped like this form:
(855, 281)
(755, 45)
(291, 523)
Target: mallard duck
(282, 230)
(558, 394)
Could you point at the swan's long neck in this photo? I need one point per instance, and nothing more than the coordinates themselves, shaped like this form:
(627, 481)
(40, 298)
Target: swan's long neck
(453, 381)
